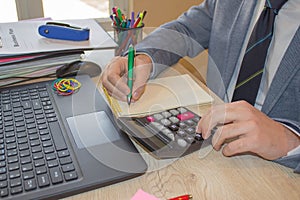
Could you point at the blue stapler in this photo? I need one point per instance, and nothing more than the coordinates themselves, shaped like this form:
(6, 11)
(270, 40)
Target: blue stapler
(62, 31)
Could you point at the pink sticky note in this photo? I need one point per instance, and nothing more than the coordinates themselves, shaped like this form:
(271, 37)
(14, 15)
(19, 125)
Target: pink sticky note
(141, 195)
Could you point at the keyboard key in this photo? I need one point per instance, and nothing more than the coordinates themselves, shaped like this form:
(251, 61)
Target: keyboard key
(55, 175)
(13, 166)
(52, 163)
(63, 153)
(65, 160)
(15, 182)
(2, 164)
(70, 176)
(68, 168)
(28, 175)
(25, 160)
(27, 167)
(50, 156)
(40, 170)
(14, 174)
(4, 192)
(12, 159)
(3, 177)
(43, 180)
(3, 184)
(16, 190)
(39, 162)
(30, 184)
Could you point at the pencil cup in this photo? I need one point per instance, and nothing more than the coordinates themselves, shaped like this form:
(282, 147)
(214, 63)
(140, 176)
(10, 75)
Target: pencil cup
(126, 36)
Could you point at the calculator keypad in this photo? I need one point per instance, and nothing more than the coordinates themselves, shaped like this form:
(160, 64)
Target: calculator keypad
(175, 125)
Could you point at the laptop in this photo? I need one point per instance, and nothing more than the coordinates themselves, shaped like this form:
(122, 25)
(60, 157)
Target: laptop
(53, 146)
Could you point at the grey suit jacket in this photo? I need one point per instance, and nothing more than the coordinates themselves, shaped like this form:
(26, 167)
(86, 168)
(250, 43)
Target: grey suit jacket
(221, 27)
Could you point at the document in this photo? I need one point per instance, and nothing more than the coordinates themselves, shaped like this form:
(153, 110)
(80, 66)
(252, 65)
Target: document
(162, 94)
(18, 38)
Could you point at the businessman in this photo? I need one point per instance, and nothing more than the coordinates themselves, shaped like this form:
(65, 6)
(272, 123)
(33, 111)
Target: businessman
(262, 109)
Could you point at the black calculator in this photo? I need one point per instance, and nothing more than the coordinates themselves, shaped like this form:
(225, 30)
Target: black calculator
(167, 134)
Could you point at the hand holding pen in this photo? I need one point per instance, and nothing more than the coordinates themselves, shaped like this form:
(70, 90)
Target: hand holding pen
(113, 79)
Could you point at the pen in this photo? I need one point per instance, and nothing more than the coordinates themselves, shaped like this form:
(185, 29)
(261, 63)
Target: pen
(132, 19)
(130, 72)
(183, 197)
(119, 14)
(137, 21)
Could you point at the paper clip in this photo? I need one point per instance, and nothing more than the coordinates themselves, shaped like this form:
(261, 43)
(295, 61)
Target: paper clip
(62, 31)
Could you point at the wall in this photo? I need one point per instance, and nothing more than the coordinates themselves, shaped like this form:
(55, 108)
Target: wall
(161, 11)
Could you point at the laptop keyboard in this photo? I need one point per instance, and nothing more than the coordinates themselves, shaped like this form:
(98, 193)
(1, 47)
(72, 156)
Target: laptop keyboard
(33, 152)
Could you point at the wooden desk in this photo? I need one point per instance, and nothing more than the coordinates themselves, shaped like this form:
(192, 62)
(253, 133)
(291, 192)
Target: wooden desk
(206, 174)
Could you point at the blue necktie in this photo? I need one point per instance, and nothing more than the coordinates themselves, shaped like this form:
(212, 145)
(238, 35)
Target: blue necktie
(254, 59)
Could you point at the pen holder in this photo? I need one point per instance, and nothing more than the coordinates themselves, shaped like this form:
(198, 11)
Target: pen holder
(126, 36)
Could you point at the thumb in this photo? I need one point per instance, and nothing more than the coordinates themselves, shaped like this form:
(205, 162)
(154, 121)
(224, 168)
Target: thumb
(141, 75)
(138, 93)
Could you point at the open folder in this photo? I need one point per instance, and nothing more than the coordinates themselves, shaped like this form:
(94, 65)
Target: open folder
(161, 94)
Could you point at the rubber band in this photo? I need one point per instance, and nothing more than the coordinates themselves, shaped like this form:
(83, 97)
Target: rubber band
(65, 86)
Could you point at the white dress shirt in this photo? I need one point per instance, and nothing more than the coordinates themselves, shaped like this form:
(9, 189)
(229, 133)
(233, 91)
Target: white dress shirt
(285, 26)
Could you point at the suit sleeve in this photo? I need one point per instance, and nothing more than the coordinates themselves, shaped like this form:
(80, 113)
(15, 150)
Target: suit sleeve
(186, 36)
(292, 161)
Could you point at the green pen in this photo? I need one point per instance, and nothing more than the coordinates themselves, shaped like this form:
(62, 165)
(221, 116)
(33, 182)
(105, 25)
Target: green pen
(131, 53)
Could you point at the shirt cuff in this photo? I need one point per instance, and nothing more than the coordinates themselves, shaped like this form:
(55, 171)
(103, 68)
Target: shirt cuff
(296, 130)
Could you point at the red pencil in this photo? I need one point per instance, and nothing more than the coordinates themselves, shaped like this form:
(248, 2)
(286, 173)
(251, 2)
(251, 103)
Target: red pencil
(183, 197)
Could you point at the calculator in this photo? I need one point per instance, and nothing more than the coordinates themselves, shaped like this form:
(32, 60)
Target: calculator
(167, 134)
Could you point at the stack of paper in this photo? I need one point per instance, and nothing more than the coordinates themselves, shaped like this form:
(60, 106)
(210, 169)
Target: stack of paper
(162, 94)
(24, 53)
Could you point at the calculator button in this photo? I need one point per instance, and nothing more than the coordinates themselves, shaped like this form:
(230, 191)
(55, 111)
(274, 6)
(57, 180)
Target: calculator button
(150, 119)
(189, 139)
(158, 116)
(174, 120)
(174, 112)
(156, 126)
(185, 116)
(171, 136)
(181, 133)
(198, 137)
(165, 122)
(181, 110)
(182, 125)
(190, 130)
(190, 122)
(182, 142)
(196, 119)
(174, 127)
(166, 114)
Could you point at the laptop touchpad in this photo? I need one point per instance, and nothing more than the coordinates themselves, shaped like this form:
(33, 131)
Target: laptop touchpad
(92, 129)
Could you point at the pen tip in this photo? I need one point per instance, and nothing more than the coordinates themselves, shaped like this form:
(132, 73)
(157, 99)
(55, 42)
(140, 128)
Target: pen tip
(128, 100)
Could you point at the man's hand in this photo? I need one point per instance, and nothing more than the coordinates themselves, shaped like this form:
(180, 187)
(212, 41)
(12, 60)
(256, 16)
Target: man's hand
(243, 129)
(114, 77)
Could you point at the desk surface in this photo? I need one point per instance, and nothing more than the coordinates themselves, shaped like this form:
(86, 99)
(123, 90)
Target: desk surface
(206, 174)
